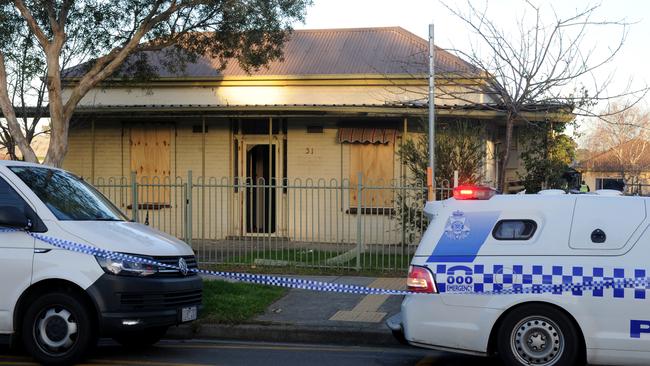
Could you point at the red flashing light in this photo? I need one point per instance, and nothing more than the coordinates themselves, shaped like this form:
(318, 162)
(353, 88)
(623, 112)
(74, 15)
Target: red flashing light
(421, 280)
(473, 193)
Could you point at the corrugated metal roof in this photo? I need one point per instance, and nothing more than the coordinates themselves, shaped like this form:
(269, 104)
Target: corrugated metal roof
(389, 50)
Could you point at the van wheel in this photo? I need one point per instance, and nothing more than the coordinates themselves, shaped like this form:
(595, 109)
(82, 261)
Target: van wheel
(140, 338)
(538, 335)
(57, 329)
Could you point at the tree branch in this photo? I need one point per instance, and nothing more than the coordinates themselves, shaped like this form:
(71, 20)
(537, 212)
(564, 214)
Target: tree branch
(31, 22)
(10, 115)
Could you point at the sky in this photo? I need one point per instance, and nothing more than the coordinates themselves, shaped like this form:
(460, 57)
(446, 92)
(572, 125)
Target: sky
(631, 64)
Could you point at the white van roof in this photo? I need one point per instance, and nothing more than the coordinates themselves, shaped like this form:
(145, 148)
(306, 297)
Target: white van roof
(7, 163)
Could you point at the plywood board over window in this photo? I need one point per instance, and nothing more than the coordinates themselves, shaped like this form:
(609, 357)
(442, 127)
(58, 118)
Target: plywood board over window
(151, 160)
(376, 164)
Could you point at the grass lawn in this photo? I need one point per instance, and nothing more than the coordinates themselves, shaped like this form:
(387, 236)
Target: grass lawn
(227, 302)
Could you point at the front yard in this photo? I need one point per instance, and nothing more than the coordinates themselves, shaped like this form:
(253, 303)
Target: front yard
(231, 303)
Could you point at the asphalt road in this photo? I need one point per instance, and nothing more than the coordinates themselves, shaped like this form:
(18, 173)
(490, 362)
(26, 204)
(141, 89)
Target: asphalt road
(195, 353)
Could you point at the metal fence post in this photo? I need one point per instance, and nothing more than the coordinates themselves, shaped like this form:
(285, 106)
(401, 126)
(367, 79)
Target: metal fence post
(359, 226)
(188, 207)
(134, 196)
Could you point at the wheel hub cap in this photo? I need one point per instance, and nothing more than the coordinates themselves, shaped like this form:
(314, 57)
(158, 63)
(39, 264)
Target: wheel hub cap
(537, 340)
(55, 330)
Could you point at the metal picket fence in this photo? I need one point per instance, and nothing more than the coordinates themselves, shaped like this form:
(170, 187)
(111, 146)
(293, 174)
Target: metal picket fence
(637, 189)
(312, 223)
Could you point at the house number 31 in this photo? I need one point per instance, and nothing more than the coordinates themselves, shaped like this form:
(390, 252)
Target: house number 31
(309, 151)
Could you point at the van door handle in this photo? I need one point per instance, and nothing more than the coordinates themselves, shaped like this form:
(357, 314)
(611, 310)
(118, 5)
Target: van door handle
(598, 236)
(41, 251)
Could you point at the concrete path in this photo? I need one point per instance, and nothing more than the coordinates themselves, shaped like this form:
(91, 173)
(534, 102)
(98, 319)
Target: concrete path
(321, 317)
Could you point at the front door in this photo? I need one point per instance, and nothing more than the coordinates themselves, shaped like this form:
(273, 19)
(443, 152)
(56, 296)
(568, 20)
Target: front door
(261, 193)
(16, 256)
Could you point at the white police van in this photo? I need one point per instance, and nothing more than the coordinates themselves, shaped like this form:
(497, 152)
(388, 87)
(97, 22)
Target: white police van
(544, 279)
(58, 302)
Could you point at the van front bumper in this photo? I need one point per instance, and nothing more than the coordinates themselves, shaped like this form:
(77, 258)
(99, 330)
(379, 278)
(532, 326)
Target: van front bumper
(133, 303)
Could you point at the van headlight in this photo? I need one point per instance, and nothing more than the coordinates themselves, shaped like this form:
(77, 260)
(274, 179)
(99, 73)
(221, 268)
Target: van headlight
(124, 267)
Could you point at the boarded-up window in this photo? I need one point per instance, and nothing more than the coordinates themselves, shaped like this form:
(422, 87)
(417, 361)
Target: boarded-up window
(150, 159)
(376, 164)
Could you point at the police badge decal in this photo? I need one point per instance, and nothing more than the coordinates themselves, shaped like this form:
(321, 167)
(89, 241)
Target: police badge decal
(457, 227)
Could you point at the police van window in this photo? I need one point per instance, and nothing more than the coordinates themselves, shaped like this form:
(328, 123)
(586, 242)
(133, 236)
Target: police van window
(67, 196)
(514, 229)
(9, 197)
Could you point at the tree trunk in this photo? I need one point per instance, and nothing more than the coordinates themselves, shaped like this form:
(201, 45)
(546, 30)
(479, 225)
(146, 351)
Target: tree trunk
(59, 121)
(11, 150)
(505, 154)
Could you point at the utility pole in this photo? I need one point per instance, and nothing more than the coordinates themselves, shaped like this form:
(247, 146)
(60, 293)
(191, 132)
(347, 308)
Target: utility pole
(431, 171)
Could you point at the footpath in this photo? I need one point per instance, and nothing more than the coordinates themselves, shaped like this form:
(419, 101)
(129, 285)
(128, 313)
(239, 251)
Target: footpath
(315, 317)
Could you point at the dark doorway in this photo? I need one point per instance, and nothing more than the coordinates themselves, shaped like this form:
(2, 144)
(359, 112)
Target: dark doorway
(260, 193)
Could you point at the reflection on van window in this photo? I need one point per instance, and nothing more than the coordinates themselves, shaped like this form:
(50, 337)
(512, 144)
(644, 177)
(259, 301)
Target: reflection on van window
(514, 229)
(9, 197)
(67, 196)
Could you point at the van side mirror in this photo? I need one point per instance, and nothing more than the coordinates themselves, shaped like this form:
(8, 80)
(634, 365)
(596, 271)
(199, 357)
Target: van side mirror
(11, 216)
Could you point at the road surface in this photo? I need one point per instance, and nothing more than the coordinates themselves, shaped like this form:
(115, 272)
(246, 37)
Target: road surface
(200, 353)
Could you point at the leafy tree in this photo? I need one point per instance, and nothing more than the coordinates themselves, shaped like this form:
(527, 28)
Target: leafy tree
(547, 154)
(107, 32)
(459, 147)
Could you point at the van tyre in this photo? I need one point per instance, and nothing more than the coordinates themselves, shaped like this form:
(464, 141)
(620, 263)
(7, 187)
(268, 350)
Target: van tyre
(57, 329)
(141, 338)
(538, 335)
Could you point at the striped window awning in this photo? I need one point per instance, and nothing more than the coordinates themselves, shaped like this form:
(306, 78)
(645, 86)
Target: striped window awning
(367, 135)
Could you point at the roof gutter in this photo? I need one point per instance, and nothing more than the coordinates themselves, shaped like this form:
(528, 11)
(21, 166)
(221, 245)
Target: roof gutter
(289, 80)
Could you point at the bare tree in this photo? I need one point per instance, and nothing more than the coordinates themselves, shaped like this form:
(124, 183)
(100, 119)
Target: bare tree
(252, 32)
(621, 143)
(545, 67)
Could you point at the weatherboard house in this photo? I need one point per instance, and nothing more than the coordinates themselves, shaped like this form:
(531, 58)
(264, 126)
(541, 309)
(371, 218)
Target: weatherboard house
(335, 108)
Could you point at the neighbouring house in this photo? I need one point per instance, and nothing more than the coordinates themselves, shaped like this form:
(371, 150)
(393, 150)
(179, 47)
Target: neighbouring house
(325, 120)
(627, 164)
(40, 143)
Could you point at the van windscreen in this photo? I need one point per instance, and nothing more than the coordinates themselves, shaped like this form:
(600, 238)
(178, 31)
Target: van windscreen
(67, 196)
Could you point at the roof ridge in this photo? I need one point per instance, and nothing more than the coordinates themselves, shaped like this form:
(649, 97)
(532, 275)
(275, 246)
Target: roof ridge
(445, 53)
(407, 33)
(346, 29)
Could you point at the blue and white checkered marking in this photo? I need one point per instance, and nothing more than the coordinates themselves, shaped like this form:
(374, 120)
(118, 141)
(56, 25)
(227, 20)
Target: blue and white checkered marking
(535, 279)
(485, 279)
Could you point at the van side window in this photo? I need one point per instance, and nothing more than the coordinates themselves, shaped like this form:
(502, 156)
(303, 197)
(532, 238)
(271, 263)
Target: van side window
(9, 197)
(514, 229)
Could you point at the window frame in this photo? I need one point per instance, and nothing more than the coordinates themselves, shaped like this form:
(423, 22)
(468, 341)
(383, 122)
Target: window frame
(500, 222)
(600, 182)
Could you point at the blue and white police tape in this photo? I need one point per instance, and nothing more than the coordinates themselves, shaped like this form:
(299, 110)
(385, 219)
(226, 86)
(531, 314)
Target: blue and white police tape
(243, 277)
(639, 284)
